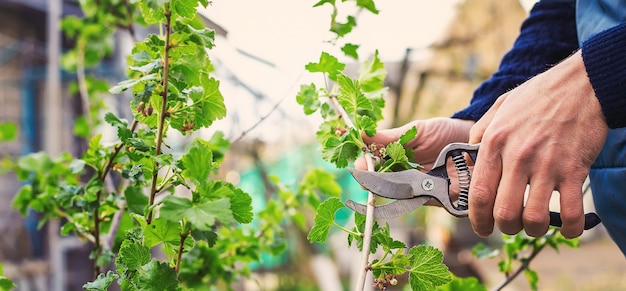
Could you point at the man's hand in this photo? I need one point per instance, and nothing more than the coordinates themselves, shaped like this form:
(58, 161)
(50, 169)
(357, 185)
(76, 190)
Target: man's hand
(546, 133)
(432, 135)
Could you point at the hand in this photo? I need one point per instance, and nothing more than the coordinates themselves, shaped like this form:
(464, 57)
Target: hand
(432, 135)
(546, 133)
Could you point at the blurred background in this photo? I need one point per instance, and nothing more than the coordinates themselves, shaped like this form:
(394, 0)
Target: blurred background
(435, 52)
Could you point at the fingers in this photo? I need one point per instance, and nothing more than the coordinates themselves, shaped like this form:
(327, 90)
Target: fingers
(572, 213)
(483, 188)
(536, 212)
(478, 129)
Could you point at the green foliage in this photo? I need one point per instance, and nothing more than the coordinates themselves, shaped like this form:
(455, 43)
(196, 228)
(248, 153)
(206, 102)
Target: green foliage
(519, 250)
(5, 283)
(8, 131)
(351, 109)
(210, 237)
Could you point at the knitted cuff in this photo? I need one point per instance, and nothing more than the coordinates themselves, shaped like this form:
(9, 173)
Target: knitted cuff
(604, 55)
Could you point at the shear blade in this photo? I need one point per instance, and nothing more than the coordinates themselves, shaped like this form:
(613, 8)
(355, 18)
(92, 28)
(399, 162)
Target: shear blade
(394, 185)
(390, 210)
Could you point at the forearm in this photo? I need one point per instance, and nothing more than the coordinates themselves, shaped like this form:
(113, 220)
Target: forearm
(604, 56)
(546, 37)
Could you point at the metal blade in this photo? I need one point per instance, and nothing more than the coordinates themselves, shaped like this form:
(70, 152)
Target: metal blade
(397, 185)
(390, 210)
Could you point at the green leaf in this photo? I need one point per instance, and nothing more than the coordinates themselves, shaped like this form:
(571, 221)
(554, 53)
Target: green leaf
(210, 106)
(185, 8)
(133, 255)
(126, 84)
(161, 231)
(8, 131)
(344, 28)
(351, 98)
(327, 64)
(532, 278)
(350, 50)
(462, 284)
(408, 135)
(372, 75)
(319, 180)
(324, 218)
(340, 151)
(308, 98)
(367, 4)
(81, 127)
(197, 163)
(427, 270)
(481, 251)
(241, 206)
(202, 215)
(136, 200)
(321, 2)
(157, 276)
(102, 282)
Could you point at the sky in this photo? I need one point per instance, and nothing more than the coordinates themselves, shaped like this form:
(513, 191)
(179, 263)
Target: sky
(288, 34)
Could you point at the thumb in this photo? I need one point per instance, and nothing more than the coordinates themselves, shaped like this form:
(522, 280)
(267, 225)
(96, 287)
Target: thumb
(478, 129)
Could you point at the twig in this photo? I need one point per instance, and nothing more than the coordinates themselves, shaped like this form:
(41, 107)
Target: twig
(162, 115)
(183, 237)
(264, 117)
(371, 204)
(524, 266)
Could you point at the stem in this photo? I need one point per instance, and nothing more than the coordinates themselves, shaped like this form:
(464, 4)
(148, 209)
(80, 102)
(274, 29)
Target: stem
(162, 115)
(371, 202)
(183, 237)
(347, 230)
(82, 80)
(524, 266)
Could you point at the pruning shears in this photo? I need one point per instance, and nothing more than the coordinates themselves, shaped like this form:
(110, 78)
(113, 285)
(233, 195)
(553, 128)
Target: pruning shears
(410, 189)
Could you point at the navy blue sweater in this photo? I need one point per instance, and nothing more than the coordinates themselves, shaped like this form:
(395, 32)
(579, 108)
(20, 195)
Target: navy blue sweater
(546, 37)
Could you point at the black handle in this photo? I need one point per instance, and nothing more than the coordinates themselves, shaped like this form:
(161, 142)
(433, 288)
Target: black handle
(591, 220)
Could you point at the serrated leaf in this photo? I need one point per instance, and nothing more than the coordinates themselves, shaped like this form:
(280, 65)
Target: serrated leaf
(210, 106)
(8, 131)
(372, 74)
(367, 4)
(350, 50)
(408, 135)
(427, 270)
(157, 276)
(161, 231)
(463, 284)
(241, 206)
(319, 180)
(481, 250)
(343, 28)
(340, 151)
(328, 64)
(102, 282)
(308, 98)
(321, 2)
(532, 278)
(351, 98)
(133, 255)
(324, 218)
(201, 215)
(197, 163)
(185, 8)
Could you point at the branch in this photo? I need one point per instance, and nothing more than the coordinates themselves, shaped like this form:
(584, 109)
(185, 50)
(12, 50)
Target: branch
(162, 115)
(371, 204)
(524, 266)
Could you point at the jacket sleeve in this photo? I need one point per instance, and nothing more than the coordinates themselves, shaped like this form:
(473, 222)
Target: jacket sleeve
(604, 55)
(547, 36)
